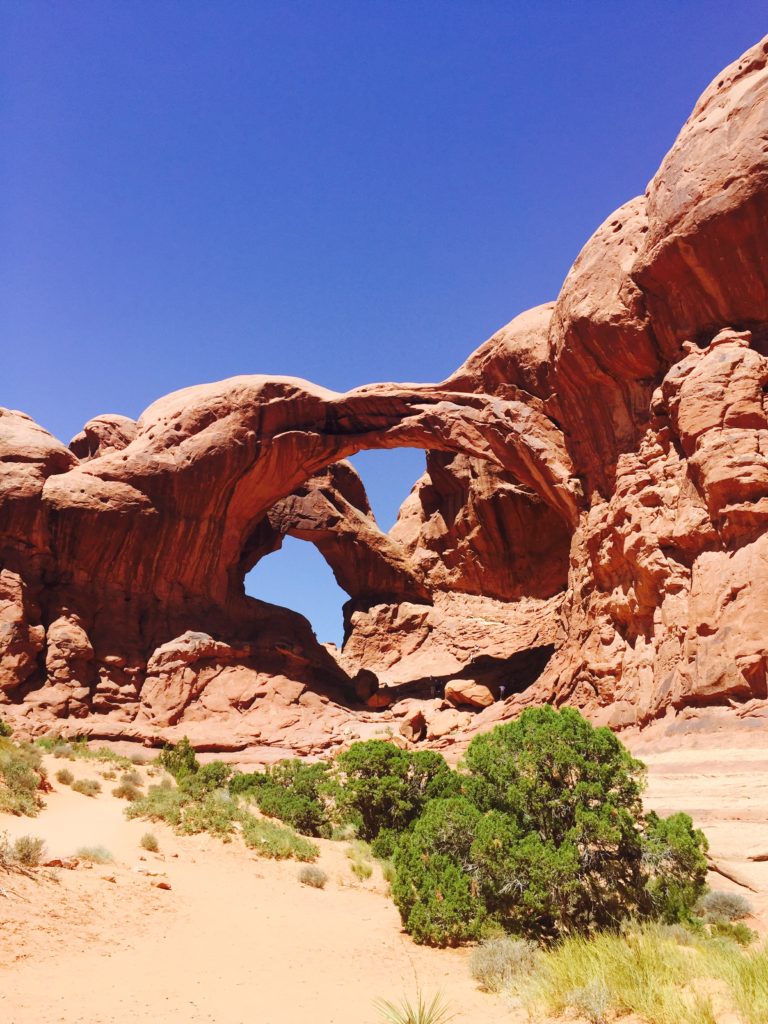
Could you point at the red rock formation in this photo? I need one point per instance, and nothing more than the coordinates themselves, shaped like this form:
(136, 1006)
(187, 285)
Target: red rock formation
(596, 487)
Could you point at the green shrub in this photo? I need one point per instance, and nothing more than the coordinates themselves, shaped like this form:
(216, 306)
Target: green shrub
(247, 783)
(21, 778)
(149, 842)
(737, 931)
(108, 775)
(162, 803)
(384, 788)
(383, 846)
(207, 778)
(216, 813)
(675, 867)
(48, 743)
(269, 839)
(547, 839)
(179, 760)
(5, 729)
(296, 792)
(433, 888)
(95, 854)
(125, 791)
(28, 851)
(65, 777)
(88, 787)
(499, 961)
(572, 793)
(725, 906)
(131, 778)
(313, 876)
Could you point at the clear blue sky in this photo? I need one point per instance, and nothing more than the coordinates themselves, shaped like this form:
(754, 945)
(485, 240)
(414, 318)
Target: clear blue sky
(343, 191)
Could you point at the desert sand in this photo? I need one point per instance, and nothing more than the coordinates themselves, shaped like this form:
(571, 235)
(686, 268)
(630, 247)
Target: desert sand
(237, 938)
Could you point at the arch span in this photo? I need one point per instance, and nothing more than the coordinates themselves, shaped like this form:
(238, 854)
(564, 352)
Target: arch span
(208, 462)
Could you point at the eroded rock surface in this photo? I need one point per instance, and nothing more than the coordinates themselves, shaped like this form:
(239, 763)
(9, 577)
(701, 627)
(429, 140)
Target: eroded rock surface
(590, 527)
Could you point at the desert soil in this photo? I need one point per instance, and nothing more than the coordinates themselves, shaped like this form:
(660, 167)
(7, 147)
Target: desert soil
(237, 938)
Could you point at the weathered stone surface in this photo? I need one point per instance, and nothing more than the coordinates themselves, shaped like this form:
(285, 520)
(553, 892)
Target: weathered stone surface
(413, 726)
(102, 435)
(470, 527)
(463, 693)
(591, 527)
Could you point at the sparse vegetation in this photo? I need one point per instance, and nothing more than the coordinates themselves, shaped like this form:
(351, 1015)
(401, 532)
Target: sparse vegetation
(746, 975)
(77, 749)
(5, 729)
(65, 777)
(22, 778)
(269, 839)
(127, 791)
(161, 803)
(180, 759)
(24, 852)
(359, 855)
(419, 1012)
(650, 970)
(28, 851)
(724, 906)
(200, 803)
(313, 876)
(131, 778)
(640, 972)
(149, 842)
(95, 854)
(186, 813)
(88, 787)
(499, 961)
(48, 743)
(736, 931)
(387, 871)
(215, 812)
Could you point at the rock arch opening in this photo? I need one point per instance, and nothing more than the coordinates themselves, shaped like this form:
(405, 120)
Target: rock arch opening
(296, 576)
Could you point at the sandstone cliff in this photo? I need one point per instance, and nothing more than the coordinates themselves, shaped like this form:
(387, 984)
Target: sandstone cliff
(590, 528)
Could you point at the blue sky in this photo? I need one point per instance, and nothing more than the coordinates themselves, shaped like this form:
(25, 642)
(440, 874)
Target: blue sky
(342, 191)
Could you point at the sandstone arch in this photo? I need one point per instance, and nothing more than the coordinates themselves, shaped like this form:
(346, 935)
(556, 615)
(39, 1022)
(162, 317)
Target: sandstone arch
(633, 412)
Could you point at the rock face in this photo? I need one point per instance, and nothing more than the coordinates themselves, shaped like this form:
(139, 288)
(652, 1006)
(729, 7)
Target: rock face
(590, 527)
